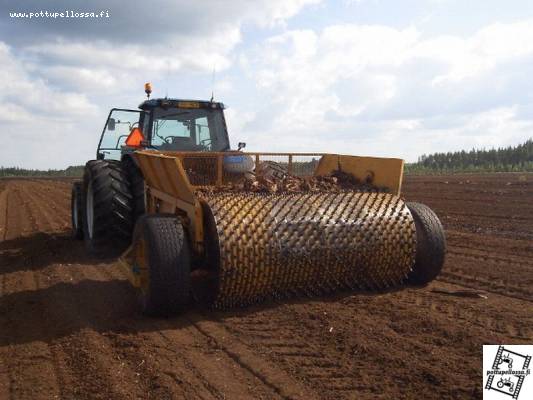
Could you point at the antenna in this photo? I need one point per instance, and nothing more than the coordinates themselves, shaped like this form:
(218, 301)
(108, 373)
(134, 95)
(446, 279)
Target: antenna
(166, 79)
(213, 83)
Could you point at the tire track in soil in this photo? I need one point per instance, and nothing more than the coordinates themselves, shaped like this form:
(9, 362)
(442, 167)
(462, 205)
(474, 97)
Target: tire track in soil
(479, 254)
(5, 385)
(104, 345)
(50, 205)
(297, 356)
(305, 359)
(31, 369)
(163, 391)
(97, 367)
(82, 358)
(268, 335)
(477, 313)
(491, 286)
(176, 358)
(203, 370)
(517, 249)
(192, 363)
(84, 354)
(71, 354)
(472, 199)
(417, 325)
(279, 382)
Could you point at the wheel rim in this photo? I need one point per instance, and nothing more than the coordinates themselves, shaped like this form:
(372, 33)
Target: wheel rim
(75, 211)
(90, 211)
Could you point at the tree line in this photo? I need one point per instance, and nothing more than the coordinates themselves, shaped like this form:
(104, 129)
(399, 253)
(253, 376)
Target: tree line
(509, 159)
(74, 171)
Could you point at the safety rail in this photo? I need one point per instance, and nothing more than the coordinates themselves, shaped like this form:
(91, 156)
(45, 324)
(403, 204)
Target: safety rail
(200, 169)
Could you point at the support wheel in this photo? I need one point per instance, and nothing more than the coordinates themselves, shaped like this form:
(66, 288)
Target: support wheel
(76, 210)
(108, 219)
(162, 254)
(430, 245)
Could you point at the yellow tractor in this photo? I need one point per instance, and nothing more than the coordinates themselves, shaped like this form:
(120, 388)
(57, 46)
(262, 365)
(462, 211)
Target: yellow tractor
(193, 220)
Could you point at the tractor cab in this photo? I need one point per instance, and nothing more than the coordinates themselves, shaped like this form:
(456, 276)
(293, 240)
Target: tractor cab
(165, 125)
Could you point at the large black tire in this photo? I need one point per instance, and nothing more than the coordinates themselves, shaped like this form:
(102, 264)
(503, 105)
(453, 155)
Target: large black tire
(136, 180)
(108, 203)
(76, 210)
(166, 287)
(430, 245)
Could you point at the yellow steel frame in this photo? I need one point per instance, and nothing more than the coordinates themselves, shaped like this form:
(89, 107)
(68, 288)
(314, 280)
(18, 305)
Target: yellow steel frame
(385, 172)
(168, 189)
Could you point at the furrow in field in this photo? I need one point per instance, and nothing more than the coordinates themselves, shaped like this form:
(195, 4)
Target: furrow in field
(30, 366)
(498, 287)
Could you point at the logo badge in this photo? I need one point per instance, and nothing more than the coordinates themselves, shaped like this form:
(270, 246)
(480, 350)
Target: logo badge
(507, 372)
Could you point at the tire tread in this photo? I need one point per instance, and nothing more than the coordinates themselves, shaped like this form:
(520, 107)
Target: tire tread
(169, 263)
(113, 207)
(431, 244)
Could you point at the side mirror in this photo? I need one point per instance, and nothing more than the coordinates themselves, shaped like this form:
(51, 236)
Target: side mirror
(111, 124)
(241, 146)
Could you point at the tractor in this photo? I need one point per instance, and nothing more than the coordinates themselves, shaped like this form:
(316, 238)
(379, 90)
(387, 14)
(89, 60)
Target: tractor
(192, 219)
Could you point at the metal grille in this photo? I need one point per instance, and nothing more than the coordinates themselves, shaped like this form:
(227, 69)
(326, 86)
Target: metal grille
(212, 169)
(304, 165)
(281, 245)
(201, 171)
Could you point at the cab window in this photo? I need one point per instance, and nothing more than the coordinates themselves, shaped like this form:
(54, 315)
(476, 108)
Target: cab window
(118, 127)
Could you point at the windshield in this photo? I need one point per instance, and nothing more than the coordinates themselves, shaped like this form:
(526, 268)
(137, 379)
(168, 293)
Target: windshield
(181, 129)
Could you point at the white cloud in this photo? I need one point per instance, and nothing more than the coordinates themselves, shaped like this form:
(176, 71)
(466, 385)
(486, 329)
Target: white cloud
(353, 88)
(40, 125)
(150, 23)
(59, 78)
(346, 87)
(18, 89)
(480, 53)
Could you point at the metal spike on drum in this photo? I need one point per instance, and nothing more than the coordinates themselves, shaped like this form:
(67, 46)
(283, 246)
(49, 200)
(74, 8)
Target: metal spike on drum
(309, 243)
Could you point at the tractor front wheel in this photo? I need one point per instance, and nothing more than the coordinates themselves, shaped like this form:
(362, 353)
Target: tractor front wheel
(162, 257)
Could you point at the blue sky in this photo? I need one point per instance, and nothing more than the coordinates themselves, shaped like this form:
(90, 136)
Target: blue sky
(368, 77)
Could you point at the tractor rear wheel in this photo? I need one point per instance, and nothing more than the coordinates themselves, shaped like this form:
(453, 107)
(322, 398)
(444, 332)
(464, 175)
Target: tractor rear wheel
(108, 219)
(76, 210)
(162, 255)
(430, 245)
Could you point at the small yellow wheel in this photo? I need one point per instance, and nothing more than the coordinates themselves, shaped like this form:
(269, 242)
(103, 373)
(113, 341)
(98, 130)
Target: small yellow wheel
(162, 254)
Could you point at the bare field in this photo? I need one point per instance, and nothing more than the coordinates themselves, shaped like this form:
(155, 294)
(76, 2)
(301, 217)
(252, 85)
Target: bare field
(70, 328)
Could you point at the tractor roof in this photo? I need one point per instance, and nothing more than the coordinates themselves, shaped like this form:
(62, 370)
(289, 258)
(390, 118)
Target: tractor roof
(179, 103)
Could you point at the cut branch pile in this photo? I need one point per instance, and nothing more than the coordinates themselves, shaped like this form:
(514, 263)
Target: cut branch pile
(336, 181)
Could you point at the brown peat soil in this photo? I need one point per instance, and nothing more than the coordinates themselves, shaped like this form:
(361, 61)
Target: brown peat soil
(70, 327)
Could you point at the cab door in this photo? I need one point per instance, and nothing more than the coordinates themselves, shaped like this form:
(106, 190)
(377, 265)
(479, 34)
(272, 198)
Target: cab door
(117, 128)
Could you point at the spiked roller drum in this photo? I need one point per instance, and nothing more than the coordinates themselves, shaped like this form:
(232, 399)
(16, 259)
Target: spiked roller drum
(279, 245)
